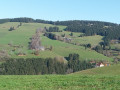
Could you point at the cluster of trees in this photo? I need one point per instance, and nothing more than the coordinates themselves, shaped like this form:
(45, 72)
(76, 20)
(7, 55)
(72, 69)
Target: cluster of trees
(35, 66)
(65, 39)
(103, 49)
(35, 41)
(71, 34)
(12, 28)
(19, 25)
(57, 37)
(86, 45)
(50, 35)
(109, 30)
(53, 29)
(98, 49)
(75, 64)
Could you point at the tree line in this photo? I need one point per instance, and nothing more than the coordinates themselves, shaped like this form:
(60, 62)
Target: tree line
(14, 28)
(53, 29)
(89, 28)
(36, 66)
(110, 31)
(26, 20)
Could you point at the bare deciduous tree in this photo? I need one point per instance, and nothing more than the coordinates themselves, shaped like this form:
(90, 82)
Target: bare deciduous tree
(36, 41)
(4, 54)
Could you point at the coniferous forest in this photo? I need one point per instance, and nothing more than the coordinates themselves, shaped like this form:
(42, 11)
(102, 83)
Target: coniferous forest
(107, 29)
(36, 66)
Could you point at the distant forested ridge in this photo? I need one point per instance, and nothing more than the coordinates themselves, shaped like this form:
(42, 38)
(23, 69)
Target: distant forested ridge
(4, 20)
(26, 20)
(107, 29)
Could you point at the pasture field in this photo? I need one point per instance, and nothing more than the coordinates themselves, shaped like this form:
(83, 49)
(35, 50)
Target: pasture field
(67, 34)
(93, 40)
(110, 70)
(60, 82)
(21, 36)
(105, 78)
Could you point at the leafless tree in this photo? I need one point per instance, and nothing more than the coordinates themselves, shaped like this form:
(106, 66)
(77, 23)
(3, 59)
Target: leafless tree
(35, 41)
(4, 54)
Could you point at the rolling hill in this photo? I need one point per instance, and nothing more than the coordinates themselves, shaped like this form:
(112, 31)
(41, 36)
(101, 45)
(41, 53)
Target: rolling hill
(106, 78)
(21, 36)
(111, 70)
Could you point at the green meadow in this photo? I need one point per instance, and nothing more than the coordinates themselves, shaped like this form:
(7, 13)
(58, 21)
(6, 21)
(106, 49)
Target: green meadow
(110, 70)
(106, 78)
(21, 36)
(93, 40)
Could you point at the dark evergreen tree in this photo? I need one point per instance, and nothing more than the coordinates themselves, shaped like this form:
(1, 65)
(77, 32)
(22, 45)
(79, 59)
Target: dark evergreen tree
(71, 34)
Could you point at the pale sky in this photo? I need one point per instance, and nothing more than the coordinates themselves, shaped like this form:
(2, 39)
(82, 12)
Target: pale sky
(100, 10)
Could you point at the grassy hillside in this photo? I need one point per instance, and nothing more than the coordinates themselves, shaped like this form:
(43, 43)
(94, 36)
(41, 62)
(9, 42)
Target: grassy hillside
(93, 40)
(106, 78)
(60, 82)
(111, 70)
(67, 34)
(21, 36)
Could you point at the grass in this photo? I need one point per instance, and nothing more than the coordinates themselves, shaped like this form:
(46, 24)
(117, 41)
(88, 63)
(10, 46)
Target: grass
(21, 36)
(67, 34)
(113, 46)
(105, 78)
(60, 82)
(110, 70)
(93, 40)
